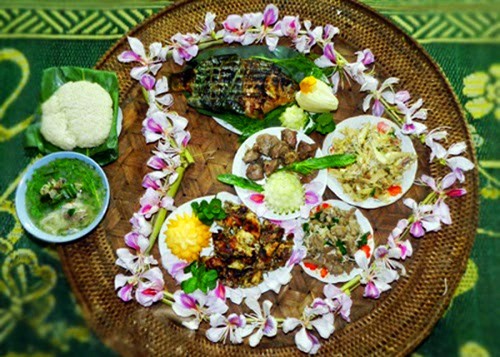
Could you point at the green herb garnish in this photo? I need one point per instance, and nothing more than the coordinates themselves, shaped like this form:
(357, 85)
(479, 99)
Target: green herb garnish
(363, 240)
(323, 123)
(307, 166)
(208, 212)
(341, 247)
(202, 278)
(240, 182)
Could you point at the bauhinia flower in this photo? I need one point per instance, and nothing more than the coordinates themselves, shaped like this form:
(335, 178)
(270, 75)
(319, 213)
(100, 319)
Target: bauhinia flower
(149, 64)
(140, 225)
(316, 96)
(235, 28)
(151, 289)
(394, 240)
(160, 125)
(208, 28)
(157, 91)
(289, 26)
(385, 91)
(152, 201)
(135, 262)
(184, 47)
(411, 113)
(197, 304)
(423, 218)
(165, 165)
(443, 188)
(338, 301)
(356, 70)
(261, 320)
(375, 277)
(453, 159)
(268, 32)
(389, 256)
(222, 327)
(306, 341)
(328, 59)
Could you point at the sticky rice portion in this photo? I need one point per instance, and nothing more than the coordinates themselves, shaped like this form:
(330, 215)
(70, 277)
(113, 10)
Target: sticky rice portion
(78, 114)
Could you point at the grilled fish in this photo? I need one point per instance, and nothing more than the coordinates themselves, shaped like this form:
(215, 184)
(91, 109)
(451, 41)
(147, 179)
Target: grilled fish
(228, 83)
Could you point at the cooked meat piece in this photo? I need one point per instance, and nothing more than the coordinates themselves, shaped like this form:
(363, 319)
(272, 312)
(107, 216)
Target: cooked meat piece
(306, 150)
(279, 150)
(255, 172)
(270, 166)
(308, 178)
(251, 155)
(214, 263)
(265, 143)
(290, 137)
(290, 157)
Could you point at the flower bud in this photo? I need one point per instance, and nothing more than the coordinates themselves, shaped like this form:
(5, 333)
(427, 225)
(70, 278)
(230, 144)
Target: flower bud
(316, 96)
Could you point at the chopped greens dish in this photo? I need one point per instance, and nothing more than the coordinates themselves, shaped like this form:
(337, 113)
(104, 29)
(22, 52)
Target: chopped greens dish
(64, 196)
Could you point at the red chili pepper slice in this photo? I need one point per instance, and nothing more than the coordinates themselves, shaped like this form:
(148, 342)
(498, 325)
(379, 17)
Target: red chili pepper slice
(324, 272)
(311, 266)
(394, 190)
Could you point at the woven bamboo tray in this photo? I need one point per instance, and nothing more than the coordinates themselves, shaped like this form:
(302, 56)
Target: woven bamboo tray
(393, 325)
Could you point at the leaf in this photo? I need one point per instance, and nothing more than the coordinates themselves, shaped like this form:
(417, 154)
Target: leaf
(281, 52)
(330, 161)
(297, 67)
(55, 77)
(247, 126)
(363, 240)
(189, 285)
(323, 123)
(240, 182)
(341, 246)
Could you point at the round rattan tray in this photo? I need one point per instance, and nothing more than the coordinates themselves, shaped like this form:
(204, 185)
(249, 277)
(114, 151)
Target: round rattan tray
(393, 325)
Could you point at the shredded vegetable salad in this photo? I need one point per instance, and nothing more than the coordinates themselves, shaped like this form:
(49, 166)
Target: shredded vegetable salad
(380, 162)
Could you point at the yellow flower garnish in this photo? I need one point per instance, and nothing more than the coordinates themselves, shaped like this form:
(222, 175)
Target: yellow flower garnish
(187, 236)
(307, 85)
(316, 96)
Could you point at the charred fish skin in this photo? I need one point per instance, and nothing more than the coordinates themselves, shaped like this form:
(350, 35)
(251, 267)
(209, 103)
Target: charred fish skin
(250, 87)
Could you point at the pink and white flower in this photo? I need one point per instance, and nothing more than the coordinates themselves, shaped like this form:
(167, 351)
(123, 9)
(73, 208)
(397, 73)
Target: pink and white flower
(160, 125)
(411, 113)
(385, 91)
(149, 63)
(375, 277)
(208, 28)
(197, 304)
(328, 59)
(140, 225)
(394, 240)
(289, 26)
(338, 301)
(235, 28)
(389, 256)
(261, 320)
(158, 96)
(151, 290)
(152, 201)
(184, 47)
(125, 285)
(424, 220)
(306, 341)
(222, 327)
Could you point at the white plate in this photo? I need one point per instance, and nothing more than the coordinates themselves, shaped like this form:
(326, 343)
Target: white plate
(273, 280)
(365, 227)
(406, 146)
(240, 168)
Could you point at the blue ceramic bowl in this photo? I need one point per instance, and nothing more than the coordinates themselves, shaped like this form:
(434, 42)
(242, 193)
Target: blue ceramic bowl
(25, 218)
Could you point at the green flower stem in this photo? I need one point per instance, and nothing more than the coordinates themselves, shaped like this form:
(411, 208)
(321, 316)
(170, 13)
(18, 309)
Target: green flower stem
(168, 295)
(168, 302)
(390, 110)
(158, 222)
(351, 284)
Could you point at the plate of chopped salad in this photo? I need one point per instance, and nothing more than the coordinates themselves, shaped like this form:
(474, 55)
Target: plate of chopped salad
(334, 233)
(386, 162)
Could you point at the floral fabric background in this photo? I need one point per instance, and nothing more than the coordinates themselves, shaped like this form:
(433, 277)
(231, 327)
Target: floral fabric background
(38, 313)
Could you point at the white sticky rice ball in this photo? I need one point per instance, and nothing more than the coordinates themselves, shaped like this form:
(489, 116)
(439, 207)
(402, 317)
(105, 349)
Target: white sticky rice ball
(78, 114)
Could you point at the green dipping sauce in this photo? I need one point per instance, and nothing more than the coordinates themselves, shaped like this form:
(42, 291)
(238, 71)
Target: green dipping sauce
(64, 196)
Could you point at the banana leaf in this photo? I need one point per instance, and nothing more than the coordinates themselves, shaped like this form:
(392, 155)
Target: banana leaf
(55, 77)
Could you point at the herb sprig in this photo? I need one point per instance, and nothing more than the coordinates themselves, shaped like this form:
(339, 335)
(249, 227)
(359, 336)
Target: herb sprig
(208, 212)
(202, 278)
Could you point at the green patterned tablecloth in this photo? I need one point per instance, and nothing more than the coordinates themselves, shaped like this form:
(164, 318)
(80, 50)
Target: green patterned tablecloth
(38, 313)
